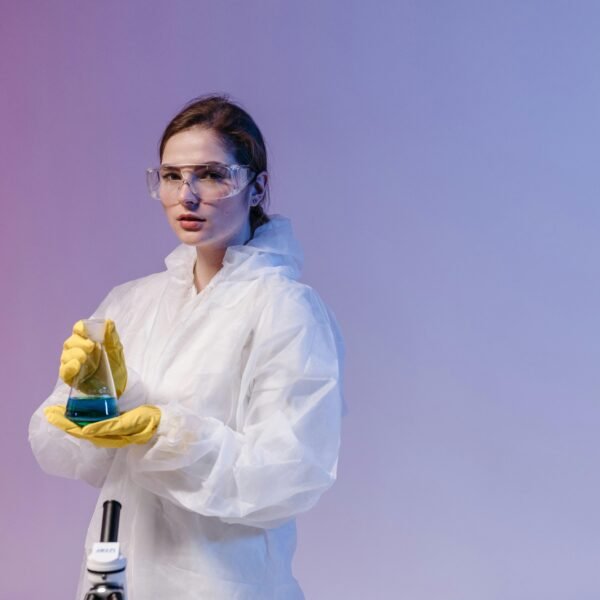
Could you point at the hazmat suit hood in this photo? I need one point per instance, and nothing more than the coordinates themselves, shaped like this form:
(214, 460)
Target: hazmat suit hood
(273, 248)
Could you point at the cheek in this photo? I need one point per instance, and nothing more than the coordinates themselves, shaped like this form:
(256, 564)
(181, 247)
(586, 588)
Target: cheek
(233, 211)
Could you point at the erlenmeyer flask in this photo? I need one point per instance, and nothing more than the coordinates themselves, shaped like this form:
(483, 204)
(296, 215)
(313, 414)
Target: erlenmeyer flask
(93, 398)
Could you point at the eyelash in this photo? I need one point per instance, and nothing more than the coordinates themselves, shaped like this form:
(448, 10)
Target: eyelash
(170, 177)
(206, 175)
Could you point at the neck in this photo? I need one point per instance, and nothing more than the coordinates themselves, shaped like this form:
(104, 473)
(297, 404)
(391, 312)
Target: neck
(209, 259)
(208, 263)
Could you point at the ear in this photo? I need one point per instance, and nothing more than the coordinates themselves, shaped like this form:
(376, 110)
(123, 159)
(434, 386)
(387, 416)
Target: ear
(258, 189)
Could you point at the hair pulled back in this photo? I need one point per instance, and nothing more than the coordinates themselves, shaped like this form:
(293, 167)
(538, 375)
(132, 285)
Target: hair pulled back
(237, 131)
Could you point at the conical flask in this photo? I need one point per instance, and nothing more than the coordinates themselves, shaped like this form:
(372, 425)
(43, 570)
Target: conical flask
(93, 397)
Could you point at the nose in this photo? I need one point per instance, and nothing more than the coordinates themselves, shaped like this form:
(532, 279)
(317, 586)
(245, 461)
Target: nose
(187, 197)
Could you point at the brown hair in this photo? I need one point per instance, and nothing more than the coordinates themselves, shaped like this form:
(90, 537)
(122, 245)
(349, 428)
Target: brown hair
(236, 129)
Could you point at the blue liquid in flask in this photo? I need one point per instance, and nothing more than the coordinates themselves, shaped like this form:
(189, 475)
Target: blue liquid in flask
(84, 411)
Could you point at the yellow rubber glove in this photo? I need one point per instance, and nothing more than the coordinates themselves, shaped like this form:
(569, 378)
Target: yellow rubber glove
(82, 355)
(136, 426)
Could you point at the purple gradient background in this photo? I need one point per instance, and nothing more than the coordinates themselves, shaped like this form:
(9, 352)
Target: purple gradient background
(440, 163)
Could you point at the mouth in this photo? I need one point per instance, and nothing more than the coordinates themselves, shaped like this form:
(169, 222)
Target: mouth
(190, 217)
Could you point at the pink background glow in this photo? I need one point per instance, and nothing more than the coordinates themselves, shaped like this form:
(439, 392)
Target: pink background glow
(440, 163)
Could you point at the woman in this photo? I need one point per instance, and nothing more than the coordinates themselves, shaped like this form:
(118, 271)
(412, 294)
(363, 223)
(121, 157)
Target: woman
(232, 382)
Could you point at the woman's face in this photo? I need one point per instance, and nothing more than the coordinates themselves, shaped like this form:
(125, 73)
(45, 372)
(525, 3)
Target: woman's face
(213, 224)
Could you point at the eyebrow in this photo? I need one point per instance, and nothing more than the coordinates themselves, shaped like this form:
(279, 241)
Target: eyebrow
(205, 164)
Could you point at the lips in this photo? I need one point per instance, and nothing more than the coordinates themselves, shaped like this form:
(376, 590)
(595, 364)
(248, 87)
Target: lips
(190, 217)
(190, 222)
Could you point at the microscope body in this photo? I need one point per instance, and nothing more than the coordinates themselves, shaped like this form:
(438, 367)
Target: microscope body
(105, 564)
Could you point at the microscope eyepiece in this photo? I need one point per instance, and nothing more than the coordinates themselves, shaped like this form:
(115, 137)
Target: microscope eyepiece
(110, 521)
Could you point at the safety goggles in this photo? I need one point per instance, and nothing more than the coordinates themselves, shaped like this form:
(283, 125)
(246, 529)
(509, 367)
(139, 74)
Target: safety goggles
(210, 181)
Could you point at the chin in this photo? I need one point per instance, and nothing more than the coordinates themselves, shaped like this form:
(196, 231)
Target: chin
(195, 240)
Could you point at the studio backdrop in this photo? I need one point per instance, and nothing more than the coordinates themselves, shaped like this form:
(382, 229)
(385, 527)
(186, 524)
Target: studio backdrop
(439, 162)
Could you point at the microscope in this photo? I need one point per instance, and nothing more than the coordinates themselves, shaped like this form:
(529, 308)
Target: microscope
(105, 564)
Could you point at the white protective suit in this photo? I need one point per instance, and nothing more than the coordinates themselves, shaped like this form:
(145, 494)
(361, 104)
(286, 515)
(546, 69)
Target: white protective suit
(247, 376)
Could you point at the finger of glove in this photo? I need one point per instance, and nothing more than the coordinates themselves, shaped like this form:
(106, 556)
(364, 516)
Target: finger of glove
(137, 421)
(119, 426)
(56, 416)
(75, 363)
(148, 420)
(80, 330)
(116, 357)
(112, 341)
(69, 370)
(76, 354)
(77, 341)
(81, 350)
(114, 426)
(142, 437)
(77, 360)
(118, 441)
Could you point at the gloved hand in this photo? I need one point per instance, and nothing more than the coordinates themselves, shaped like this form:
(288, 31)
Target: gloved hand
(135, 426)
(82, 355)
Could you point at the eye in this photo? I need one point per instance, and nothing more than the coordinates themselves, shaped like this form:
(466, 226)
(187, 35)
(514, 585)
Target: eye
(213, 173)
(167, 176)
